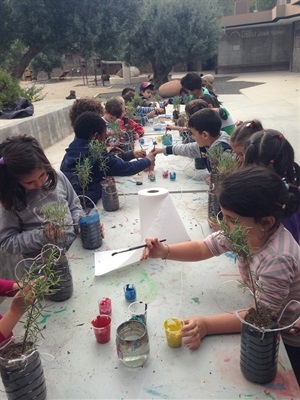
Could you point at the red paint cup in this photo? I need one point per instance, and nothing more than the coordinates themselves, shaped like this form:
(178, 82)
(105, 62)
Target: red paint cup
(101, 326)
(104, 306)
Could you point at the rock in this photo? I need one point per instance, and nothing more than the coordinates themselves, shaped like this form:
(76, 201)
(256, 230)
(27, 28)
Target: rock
(170, 89)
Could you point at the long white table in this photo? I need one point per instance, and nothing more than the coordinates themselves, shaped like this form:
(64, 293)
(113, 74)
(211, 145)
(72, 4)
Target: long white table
(76, 367)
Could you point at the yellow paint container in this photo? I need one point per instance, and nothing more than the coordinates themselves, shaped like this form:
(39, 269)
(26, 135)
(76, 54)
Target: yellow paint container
(173, 328)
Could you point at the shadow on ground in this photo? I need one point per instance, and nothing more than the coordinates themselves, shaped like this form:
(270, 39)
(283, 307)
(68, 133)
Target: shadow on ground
(223, 85)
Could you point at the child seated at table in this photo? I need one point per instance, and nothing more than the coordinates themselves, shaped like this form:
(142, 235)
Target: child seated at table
(85, 104)
(270, 148)
(115, 110)
(146, 92)
(256, 199)
(227, 120)
(205, 128)
(89, 126)
(241, 135)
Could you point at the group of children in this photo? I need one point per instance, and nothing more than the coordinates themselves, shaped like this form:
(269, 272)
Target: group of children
(262, 195)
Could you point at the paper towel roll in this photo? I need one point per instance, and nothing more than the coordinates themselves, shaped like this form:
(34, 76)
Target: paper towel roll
(159, 217)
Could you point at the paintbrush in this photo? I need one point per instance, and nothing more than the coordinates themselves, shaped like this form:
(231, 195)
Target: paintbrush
(134, 248)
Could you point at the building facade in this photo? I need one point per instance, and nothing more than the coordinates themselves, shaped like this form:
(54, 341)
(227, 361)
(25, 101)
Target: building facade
(261, 41)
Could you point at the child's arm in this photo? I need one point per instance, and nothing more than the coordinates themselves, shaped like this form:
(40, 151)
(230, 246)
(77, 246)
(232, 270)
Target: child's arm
(197, 327)
(19, 305)
(176, 128)
(185, 251)
(15, 241)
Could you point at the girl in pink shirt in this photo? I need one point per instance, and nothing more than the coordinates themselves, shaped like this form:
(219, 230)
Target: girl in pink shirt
(256, 198)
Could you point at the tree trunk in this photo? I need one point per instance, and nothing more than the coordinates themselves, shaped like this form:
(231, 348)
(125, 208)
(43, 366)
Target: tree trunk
(194, 66)
(19, 68)
(160, 74)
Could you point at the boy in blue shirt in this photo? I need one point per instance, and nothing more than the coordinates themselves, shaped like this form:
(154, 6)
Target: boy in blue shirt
(89, 126)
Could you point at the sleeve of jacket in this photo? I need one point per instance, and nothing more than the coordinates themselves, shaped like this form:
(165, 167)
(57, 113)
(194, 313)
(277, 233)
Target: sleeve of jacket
(191, 150)
(6, 288)
(73, 200)
(13, 240)
(136, 127)
(118, 167)
(127, 156)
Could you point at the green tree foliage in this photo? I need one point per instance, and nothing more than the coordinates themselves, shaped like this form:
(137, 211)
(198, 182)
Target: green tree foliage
(174, 31)
(227, 7)
(51, 25)
(45, 62)
(10, 90)
(116, 23)
(262, 5)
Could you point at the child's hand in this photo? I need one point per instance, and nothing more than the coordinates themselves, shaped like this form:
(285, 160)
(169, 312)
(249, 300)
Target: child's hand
(195, 329)
(151, 157)
(151, 114)
(139, 153)
(53, 232)
(154, 249)
(171, 128)
(160, 110)
(114, 149)
(23, 298)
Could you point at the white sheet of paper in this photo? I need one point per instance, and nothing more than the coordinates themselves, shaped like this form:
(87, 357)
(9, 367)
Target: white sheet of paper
(158, 218)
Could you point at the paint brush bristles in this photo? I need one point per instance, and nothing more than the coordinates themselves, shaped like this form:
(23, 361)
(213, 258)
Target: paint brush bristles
(133, 248)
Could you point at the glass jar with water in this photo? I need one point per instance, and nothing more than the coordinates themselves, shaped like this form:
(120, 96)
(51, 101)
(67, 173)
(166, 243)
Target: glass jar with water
(132, 343)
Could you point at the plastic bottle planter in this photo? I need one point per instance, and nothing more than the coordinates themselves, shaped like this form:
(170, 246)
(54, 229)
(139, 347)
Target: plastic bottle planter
(259, 353)
(23, 377)
(200, 163)
(64, 288)
(167, 139)
(90, 232)
(127, 141)
(175, 114)
(213, 202)
(110, 197)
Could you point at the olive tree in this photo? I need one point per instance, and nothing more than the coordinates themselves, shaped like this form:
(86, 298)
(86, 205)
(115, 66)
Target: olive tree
(171, 32)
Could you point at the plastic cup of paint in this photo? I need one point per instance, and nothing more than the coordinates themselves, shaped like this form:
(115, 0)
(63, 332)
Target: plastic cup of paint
(139, 178)
(101, 326)
(129, 292)
(104, 306)
(138, 311)
(173, 328)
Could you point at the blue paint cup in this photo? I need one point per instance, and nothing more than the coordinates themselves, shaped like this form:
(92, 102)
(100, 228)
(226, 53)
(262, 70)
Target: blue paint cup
(172, 176)
(129, 292)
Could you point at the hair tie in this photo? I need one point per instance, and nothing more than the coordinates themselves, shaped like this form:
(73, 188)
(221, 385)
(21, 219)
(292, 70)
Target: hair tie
(280, 136)
(283, 206)
(238, 123)
(285, 184)
(250, 125)
(2, 162)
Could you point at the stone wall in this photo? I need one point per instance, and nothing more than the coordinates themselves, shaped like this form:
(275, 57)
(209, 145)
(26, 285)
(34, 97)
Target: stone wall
(295, 64)
(255, 49)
